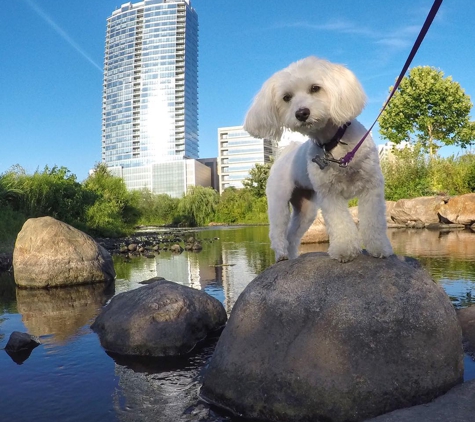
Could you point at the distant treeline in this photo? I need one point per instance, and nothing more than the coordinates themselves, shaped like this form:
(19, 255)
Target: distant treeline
(102, 206)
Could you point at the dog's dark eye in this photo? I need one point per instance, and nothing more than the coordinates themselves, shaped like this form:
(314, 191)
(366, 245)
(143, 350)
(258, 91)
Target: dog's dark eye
(314, 88)
(287, 97)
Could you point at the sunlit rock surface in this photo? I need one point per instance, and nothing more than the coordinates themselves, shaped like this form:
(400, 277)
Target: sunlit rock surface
(50, 253)
(158, 319)
(313, 339)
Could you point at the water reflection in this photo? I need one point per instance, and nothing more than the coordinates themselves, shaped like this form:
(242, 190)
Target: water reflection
(61, 312)
(94, 386)
(459, 244)
(230, 258)
(449, 257)
(159, 390)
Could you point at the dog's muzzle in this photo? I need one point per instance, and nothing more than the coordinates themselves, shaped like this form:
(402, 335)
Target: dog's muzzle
(302, 114)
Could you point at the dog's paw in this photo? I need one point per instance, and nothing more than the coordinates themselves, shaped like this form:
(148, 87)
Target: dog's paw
(281, 258)
(347, 258)
(344, 254)
(381, 254)
(382, 250)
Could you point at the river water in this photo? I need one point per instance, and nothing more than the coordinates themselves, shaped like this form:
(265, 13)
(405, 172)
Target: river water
(69, 377)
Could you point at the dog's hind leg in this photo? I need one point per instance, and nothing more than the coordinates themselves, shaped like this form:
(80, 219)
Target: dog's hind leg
(372, 216)
(279, 215)
(304, 211)
(345, 242)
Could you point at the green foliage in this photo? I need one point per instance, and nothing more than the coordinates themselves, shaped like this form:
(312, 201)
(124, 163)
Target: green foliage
(198, 206)
(406, 175)
(102, 206)
(156, 209)
(257, 180)
(53, 191)
(234, 205)
(115, 210)
(11, 223)
(454, 175)
(430, 110)
(410, 173)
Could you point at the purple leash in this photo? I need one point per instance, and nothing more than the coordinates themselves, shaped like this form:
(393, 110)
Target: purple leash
(343, 162)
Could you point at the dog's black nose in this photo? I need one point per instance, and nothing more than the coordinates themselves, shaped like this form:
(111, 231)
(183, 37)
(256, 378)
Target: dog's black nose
(302, 114)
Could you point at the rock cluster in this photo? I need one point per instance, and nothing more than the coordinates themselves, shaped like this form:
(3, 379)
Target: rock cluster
(431, 212)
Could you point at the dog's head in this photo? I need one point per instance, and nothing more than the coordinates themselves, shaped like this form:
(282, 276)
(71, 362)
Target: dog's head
(304, 97)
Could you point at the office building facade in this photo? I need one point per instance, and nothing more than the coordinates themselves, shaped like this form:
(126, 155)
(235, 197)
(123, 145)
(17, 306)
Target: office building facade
(150, 93)
(239, 152)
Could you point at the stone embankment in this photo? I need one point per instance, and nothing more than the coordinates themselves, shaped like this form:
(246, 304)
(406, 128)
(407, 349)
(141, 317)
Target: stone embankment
(428, 212)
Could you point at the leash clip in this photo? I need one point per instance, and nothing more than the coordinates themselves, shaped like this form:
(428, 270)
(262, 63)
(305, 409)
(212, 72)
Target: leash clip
(323, 160)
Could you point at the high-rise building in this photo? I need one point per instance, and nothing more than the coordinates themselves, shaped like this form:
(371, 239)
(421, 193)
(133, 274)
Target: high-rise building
(150, 95)
(239, 152)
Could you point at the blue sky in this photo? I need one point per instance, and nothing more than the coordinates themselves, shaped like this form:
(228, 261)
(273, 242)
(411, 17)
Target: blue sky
(52, 53)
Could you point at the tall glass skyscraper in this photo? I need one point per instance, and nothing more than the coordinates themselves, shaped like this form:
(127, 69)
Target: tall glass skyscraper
(150, 96)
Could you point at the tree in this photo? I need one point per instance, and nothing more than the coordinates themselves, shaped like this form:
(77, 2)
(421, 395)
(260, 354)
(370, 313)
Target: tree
(114, 210)
(234, 205)
(430, 110)
(198, 206)
(156, 209)
(257, 180)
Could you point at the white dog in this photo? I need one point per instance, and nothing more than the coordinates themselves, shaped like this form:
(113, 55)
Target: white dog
(320, 100)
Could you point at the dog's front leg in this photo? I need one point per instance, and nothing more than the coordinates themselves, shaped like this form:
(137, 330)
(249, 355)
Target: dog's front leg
(345, 243)
(372, 216)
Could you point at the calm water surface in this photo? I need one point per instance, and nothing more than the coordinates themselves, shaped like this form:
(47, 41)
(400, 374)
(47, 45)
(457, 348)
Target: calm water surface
(69, 377)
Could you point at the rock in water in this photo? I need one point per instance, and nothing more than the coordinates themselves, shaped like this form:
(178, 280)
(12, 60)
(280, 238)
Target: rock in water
(19, 341)
(311, 339)
(159, 319)
(20, 345)
(51, 253)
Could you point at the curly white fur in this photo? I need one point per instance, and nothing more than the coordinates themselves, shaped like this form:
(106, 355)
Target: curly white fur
(315, 97)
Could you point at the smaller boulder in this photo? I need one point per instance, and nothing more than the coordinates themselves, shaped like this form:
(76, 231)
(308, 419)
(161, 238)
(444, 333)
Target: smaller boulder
(196, 247)
(19, 341)
(176, 248)
(158, 319)
(20, 345)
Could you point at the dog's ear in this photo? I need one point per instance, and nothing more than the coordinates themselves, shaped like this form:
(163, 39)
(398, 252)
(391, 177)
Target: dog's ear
(262, 119)
(347, 97)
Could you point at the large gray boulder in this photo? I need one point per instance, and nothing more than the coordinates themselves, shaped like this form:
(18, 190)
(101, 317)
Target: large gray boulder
(158, 319)
(312, 339)
(466, 318)
(50, 253)
(458, 405)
